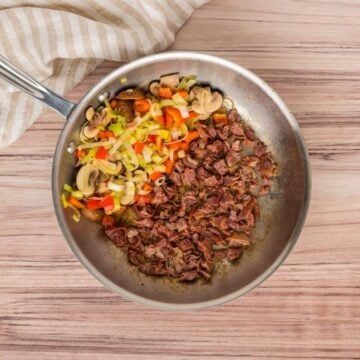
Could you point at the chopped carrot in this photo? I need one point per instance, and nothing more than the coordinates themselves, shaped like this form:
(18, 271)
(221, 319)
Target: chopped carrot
(148, 187)
(192, 135)
(175, 146)
(168, 120)
(108, 221)
(105, 134)
(183, 93)
(192, 115)
(176, 116)
(80, 153)
(75, 202)
(102, 153)
(159, 143)
(142, 105)
(138, 147)
(165, 92)
(220, 119)
(160, 119)
(169, 166)
(184, 146)
(143, 199)
(113, 104)
(155, 175)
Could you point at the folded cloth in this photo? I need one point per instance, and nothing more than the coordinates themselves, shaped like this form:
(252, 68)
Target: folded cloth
(60, 42)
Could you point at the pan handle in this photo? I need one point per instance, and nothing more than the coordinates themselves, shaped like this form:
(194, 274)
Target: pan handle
(24, 82)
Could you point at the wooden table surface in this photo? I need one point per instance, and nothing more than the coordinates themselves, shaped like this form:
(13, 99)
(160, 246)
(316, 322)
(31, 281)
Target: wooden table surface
(52, 308)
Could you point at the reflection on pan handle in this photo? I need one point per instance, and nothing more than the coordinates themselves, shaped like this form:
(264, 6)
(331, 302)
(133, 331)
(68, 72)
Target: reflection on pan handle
(24, 82)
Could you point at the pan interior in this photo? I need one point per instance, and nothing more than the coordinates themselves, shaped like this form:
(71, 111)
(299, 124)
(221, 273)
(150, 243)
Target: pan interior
(282, 212)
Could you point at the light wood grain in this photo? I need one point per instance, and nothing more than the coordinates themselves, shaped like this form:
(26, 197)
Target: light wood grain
(51, 308)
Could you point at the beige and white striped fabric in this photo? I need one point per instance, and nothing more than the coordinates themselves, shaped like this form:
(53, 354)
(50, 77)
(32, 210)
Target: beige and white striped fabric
(59, 42)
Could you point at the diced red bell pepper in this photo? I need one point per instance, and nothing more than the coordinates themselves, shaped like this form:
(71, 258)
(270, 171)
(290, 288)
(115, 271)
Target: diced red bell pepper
(151, 139)
(107, 203)
(93, 204)
(138, 147)
(101, 154)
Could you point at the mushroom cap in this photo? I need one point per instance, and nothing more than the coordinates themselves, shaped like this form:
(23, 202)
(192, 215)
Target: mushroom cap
(86, 178)
(215, 102)
(130, 94)
(90, 132)
(154, 88)
(90, 112)
(93, 215)
(205, 102)
(171, 80)
(125, 108)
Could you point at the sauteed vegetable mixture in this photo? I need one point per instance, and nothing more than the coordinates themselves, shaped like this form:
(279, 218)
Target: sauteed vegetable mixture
(173, 174)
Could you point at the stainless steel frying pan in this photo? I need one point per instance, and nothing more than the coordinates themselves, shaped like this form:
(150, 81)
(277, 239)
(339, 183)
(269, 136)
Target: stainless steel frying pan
(282, 213)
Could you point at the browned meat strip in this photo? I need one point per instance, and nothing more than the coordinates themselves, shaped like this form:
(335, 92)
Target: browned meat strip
(190, 162)
(220, 167)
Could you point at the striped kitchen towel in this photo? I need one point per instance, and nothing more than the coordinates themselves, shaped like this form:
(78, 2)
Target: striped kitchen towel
(60, 42)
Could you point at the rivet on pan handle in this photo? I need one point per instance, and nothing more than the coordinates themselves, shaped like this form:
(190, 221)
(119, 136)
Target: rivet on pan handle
(24, 82)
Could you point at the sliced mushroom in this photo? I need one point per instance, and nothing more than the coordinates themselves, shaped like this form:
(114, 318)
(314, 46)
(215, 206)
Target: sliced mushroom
(101, 188)
(204, 102)
(93, 215)
(171, 81)
(90, 132)
(130, 94)
(90, 112)
(126, 109)
(215, 102)
(154, 88)
(86, 178)
(100, 118)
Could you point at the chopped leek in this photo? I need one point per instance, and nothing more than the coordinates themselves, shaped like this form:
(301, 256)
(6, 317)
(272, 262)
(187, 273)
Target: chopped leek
(64, 201)
(166, 102)
(187, 81)
(115, 187)
(106, 167)
(116, 128)
(77, 194)
(111, 141)
(178, 99)
(146, 153)
(68, 188)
